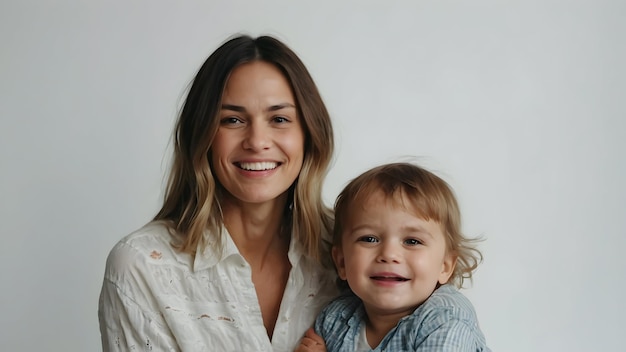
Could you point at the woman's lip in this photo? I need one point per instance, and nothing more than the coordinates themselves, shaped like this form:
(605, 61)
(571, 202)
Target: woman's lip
(257, 165)
(248, 160)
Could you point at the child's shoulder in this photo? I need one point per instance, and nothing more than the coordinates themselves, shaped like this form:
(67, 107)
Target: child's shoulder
(344, 307)
(448, 295)
(447, 315)
(338, 314)
(448, 301)
(347, 301)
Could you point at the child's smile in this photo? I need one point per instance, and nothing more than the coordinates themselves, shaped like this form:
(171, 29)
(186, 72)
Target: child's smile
(386, 279)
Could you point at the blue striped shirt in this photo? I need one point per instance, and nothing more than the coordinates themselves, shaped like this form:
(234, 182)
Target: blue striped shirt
(445, 322)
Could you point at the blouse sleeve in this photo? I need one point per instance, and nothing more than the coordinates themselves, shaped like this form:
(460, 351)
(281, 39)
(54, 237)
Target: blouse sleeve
(128, 317)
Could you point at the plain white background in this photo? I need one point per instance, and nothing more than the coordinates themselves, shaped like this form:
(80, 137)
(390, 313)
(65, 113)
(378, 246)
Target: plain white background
(519, 105)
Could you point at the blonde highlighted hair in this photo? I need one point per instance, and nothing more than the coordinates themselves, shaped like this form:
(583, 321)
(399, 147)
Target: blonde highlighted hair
(192, 200)
(428, 194)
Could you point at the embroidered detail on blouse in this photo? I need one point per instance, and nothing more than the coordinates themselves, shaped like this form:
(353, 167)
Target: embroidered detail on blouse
(156, 254)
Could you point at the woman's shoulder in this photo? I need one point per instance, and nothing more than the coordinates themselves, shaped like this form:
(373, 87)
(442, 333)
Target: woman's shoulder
(149, 245)
(154, 236)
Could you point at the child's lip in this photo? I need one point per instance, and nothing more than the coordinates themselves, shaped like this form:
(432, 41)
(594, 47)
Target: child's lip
(388, 276)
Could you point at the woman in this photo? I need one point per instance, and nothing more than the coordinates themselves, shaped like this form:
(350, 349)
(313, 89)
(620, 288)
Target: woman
(234, 259)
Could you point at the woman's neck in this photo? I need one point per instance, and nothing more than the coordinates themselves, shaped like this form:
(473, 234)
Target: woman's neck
(256, 228)
(257, 232)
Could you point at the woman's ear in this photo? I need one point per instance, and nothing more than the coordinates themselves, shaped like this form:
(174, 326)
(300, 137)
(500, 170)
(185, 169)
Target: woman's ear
(340, 263)
(447, 267)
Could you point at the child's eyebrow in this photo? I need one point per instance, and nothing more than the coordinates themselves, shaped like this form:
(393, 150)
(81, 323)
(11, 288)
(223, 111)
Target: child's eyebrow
(409, 229)
(360, 227)
(414, 229)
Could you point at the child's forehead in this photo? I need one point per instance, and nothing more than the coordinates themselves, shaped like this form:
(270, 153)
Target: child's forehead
(368, 205)
(397, 198)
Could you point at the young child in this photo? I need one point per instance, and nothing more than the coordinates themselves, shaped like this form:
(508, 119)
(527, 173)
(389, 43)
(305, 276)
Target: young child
(398, 243)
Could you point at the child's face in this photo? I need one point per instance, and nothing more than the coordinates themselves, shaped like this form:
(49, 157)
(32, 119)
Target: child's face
(391, 258)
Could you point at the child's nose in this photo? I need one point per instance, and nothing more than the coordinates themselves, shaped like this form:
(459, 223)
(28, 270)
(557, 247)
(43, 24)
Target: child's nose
(389, 253)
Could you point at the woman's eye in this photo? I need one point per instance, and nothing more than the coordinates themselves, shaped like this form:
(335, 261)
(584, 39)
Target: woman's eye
(231, 120)
(280, 119)
(412, 241)
(368, 239)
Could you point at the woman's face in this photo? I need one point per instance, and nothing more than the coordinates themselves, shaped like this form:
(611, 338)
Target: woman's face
(258, 150)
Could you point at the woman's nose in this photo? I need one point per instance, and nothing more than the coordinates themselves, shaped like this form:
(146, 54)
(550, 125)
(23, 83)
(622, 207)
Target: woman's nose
(257, 137)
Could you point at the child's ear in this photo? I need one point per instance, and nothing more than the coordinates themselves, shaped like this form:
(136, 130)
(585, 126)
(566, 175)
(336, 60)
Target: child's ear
(340, 263)
(447, 268)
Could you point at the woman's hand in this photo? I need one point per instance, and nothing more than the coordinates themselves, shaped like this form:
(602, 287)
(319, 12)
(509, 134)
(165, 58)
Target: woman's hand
(311, 342)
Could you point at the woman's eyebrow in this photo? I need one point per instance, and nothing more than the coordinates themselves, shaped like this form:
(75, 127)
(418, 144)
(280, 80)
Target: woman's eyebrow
(275, 107)
(233, 107)
(280, 106)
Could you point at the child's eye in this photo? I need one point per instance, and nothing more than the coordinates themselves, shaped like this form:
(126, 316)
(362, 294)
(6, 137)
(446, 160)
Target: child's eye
(412, 242)
(368, 239)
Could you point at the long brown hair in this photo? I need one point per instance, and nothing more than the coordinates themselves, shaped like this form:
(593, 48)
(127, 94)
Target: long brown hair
(191, 204)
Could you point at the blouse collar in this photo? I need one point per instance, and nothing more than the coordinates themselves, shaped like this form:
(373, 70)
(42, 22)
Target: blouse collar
(211, 255)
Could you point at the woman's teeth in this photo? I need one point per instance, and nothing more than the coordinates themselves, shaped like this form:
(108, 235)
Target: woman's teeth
(259, 166)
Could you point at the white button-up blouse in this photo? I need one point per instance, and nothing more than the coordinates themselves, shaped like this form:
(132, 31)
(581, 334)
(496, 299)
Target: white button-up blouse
(157, 299)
